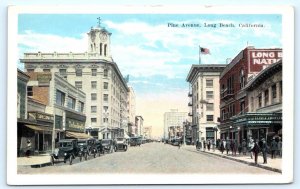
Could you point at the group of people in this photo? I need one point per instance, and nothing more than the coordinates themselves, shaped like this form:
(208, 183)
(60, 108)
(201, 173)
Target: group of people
(253, 146)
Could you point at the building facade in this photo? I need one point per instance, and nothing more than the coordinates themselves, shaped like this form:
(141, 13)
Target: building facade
(95, 73)
(204, 101)
(132, 129)
(234, 99)
(173, 119)
(139, 123)
(147, 133)
(264, 116)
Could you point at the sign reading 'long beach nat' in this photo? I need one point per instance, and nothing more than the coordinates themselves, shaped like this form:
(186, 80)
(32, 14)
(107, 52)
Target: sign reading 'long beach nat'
(257, 59)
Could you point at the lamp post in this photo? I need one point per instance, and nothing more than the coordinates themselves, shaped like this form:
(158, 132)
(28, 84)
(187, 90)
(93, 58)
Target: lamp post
(230, 128)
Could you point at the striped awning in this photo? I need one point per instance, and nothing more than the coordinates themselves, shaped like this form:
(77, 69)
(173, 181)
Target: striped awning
(38, 128)
(77, 135)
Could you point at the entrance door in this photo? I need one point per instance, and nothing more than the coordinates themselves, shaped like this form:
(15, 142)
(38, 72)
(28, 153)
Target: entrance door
(41, 142)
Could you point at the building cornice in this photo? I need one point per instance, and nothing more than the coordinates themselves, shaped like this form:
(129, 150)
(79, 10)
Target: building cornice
(195, 69)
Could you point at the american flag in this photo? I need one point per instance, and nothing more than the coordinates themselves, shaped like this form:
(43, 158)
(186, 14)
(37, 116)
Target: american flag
(204, 50)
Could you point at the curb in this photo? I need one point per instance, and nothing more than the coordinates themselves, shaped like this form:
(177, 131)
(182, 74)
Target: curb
(37, 165)
(246, 162)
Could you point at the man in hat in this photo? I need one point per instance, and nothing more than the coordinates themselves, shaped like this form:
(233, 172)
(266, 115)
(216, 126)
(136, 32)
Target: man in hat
(274, 148)
(264, 149)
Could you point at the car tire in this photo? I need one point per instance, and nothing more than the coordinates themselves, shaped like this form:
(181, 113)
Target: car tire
(80, 158)
(125, 148)
(71, 159)
(85, 156)
(95, 153)
(115, 149)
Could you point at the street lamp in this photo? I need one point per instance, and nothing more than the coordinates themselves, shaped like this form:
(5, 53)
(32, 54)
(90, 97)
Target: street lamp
(230, 128)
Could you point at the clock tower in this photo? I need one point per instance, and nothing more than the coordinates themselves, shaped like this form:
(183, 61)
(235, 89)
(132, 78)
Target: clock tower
(99, 41)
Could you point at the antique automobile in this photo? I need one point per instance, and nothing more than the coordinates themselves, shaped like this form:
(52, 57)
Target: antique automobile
(135, 141)
(67, 150)
(120, 144)
(93, 147)
(108, 145)
(99, 147)
(87, 148)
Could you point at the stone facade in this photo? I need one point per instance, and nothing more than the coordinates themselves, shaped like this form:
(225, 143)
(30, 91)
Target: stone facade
(173, 119)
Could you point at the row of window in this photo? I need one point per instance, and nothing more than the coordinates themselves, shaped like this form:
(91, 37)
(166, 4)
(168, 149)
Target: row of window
(78, 72)
(209, 95)
(94, 97)
(209, 84)
(78, 84)
(71, 102)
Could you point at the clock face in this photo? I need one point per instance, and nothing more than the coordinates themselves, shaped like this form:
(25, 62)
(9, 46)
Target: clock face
(103, 36)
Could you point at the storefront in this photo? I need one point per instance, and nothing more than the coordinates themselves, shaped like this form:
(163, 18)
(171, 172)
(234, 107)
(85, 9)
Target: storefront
(75, 126)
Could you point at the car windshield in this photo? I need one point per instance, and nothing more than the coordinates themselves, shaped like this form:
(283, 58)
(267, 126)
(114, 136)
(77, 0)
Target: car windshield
(81, 143)
(65, 144)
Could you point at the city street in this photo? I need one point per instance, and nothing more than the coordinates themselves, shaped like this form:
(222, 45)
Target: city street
(151, 158)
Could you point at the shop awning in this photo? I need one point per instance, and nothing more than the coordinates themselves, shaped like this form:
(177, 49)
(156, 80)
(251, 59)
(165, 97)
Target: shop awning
(77, 135)
(38, 128)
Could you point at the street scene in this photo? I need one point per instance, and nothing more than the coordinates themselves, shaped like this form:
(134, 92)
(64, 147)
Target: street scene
(152, 93)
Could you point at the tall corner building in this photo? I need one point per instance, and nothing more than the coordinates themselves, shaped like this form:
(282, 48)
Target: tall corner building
(204, 101)
(97, 75)
(173, 119)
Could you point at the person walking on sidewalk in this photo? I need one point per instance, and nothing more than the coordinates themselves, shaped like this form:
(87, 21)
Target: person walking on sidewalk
(251, 146)
(222, 145)
(274, 148)
(27, 153)
(208, 145)
(204, 145)
(244, 147)
(227, 146)
(264, 149)
(255, 151)
(214, 145)
(279, 147)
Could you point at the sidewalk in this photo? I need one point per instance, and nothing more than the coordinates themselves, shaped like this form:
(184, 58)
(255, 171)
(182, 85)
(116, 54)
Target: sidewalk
(272, 164)
(35, 161)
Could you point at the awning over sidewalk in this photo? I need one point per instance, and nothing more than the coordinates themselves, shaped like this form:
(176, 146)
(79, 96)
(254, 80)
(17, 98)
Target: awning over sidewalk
(77, 135)
(38, 128)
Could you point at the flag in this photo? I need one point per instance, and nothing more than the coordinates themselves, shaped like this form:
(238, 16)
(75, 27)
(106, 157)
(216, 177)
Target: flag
(204, 50)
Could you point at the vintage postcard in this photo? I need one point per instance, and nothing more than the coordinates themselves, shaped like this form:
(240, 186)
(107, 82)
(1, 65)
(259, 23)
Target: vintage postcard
(150, 95)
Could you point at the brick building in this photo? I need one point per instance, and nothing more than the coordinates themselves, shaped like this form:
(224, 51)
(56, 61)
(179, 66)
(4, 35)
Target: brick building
(233, 100)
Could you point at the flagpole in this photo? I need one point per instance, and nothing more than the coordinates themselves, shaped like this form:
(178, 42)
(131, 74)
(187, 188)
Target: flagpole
(199, 54)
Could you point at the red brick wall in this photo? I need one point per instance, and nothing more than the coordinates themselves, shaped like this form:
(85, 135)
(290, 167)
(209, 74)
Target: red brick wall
(41, 94)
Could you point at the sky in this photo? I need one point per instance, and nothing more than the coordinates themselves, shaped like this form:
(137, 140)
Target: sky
(156, 56)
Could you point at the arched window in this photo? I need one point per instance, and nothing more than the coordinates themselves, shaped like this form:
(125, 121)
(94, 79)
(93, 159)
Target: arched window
(242, 78)
(100, 48)
(105, 46)
(94, 47)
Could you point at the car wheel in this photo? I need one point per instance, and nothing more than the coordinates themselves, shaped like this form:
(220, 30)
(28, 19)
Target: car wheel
(95, 153)
(85, 156)
(80, 158)
(71, 159)
(115, 149)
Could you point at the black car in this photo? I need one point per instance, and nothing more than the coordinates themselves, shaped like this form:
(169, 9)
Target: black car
(67, 150)
(121, 144)
(99, 147)
(87, 147)
(135, 141)
(108, 145)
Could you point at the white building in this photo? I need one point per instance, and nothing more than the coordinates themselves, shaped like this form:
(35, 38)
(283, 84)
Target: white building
(97, 75)
(131, 113)
(204, 100)
(173, 119)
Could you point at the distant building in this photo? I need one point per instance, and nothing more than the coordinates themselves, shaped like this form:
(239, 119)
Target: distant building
(147, 132)
(131, 129)
(173, 119)
(204, 101)
(95, 73)
(139, 123)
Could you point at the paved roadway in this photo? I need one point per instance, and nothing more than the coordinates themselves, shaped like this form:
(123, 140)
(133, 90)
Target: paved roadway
(151, 158)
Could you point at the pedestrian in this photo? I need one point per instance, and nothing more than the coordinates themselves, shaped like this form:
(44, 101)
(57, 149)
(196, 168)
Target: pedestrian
(28, 148)
(264, 149)
(239, 148)
(214, 145)
(279, 145)
(251, 146)
(274, 148)
(244, 147)
(197, 145)
(179, 144)
(234, 147)
(222, 145)
(208, 145)
(255, 150)
(227, 146)
(204, 145)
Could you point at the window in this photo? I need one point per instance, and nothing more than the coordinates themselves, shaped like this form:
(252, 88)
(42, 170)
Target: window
(242, 79)
(105, 97)
(29, 91)
(242, 107)
(46, 70)
(105, 49)
(71, 102)
(274, 91)
(19, 106)
(223, 114)
(259, 101)
(209, 94)
(105, 72)
(266, 97)
(209, 107)
(105, 108)
(63, 73)
(209, 83)
(101, 48)
(93, 109)
(78, 72)
(78, 84)
(94, 72)
(94, 96)
(105, 120)
(30, 70)
(94, 84)
(105, 85)
(60, 98)
(209, 117)
(93, 120)
(80, 106)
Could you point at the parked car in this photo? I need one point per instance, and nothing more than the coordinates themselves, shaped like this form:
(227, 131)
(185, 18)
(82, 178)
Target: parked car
(135, 141)
(99, 147)
(120, 144)
(108, 145)
(67, 150)
(87, 147)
